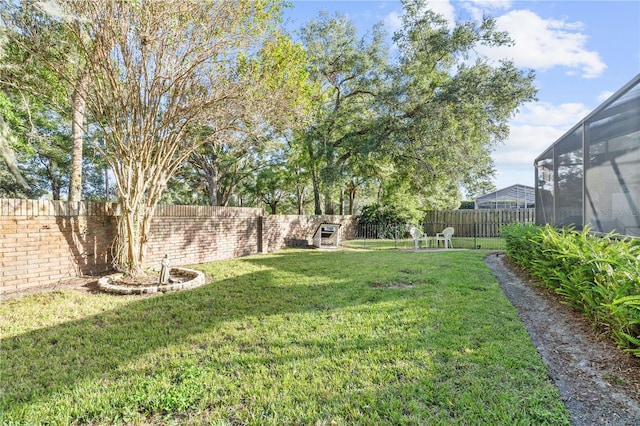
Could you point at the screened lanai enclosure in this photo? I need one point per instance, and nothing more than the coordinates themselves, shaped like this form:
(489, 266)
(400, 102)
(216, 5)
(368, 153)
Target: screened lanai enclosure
(591, 175)
(511, 197)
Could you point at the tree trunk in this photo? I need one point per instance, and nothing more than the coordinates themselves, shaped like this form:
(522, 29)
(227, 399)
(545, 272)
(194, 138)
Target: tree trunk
(300, 199)
(316, 192)
(77, 132)
(55, 191)
(8, 155)
(212, 189)
(352, 199)
(328, 204)
(210, 169)
(131, 245)
(224, 196)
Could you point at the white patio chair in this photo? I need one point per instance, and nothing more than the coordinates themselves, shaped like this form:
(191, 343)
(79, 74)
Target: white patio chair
(445, 236)
(418, 236)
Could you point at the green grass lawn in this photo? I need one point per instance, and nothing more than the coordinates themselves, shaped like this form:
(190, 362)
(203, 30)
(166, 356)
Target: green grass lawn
(296, 337)
(407, 243)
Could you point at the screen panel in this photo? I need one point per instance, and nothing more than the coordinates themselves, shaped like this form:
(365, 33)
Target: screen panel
(612, 175)
(569, 180)
(545, 189)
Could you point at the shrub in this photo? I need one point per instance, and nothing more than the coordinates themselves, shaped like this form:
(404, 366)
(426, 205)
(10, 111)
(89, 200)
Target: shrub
(598, 275)
(521, 241)
(467, 205)
(379, 214)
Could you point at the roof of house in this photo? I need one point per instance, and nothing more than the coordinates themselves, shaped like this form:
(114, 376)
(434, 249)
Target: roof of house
(511, 193)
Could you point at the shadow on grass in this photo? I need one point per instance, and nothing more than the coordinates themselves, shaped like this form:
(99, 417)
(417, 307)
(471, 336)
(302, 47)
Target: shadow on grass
(344, 263)
(41, 363)
(297, 337)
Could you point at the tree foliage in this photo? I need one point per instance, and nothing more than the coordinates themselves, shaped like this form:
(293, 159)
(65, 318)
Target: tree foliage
(452, 106)
(389, 214)
(349, 71)
(45, 67)
(159, 72)
(432, 119)
(213, 101)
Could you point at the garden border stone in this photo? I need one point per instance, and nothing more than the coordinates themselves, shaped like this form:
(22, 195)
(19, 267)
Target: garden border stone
(106, 284)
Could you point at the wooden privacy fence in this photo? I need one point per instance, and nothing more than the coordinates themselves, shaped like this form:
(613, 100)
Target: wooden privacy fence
(476, 223)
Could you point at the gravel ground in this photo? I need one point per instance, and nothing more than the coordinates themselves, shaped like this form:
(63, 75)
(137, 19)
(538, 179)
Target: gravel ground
(598, 383)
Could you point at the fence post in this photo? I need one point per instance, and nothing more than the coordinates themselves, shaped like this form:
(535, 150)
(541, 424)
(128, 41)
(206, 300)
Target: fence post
(475, 235)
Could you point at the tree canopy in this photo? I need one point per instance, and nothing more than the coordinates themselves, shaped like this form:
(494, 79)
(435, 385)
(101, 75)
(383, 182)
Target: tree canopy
(212, 102)
(452, 106)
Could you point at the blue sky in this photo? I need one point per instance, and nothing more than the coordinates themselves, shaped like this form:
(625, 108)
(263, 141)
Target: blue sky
(582, 53)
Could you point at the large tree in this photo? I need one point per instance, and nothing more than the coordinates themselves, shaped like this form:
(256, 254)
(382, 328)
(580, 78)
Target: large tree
(12, 181)
(159, 72)
(224, 164)
(226, 161)
(270, 187)
(48, 61)
(452, 106)
(349, 70)
(35, 118)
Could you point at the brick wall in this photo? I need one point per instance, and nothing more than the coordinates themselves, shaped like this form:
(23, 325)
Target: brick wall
(199, 234)
(292, 230)
(44, 242)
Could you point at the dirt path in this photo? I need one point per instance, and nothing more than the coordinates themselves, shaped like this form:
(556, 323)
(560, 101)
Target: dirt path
(598, 384)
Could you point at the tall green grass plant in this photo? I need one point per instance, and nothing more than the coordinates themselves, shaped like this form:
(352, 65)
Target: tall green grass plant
(599, 275)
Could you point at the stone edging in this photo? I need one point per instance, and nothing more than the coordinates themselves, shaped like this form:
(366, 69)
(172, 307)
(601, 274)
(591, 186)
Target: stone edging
(105, 285)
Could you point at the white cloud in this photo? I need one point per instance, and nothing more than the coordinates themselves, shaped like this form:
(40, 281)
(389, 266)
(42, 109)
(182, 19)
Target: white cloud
(393, 22)
(605, 95)
(525, 143)
(547, 114)
(479, 8)
(546, 43)
(444, 8)
(514, 159)
(540, 43)
(533, 130)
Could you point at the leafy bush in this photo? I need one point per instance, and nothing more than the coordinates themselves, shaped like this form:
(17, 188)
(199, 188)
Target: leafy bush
(598, 275)
(521, 241)
(384, 214)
